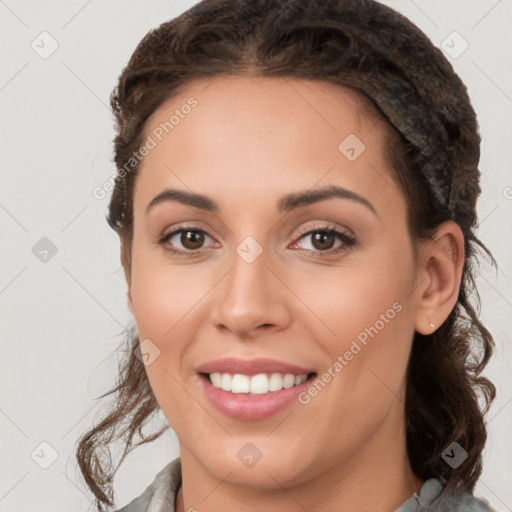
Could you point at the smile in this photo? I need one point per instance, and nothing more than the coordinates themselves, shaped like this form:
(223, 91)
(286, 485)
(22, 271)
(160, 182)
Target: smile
(253, 389)
(255, 384)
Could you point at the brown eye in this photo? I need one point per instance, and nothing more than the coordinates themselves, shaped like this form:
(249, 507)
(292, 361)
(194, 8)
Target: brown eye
(192, 239)
(185, 241)
(323, 240)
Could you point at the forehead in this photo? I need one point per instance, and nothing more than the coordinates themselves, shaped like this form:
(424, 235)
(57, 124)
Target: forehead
(263, 134)
(325, 105)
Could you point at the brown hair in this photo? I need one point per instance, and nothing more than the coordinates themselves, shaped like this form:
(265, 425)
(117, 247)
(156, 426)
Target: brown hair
(433, 147)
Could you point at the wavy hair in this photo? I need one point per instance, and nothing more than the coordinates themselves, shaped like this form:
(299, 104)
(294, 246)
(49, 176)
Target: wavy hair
(433, 146)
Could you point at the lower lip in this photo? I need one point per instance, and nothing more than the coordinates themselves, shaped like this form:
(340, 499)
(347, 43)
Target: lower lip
(252, 407)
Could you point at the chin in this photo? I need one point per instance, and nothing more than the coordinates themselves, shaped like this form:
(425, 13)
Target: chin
(256, 462)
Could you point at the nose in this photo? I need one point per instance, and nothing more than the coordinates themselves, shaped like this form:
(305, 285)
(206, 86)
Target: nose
(251, 299)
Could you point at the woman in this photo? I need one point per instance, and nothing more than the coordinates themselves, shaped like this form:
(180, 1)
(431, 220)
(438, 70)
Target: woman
(296, 204)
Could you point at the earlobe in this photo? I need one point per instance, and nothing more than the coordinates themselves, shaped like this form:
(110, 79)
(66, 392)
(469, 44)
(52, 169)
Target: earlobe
(444, 261)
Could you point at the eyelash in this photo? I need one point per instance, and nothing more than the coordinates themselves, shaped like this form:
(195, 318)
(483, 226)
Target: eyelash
(348, 241)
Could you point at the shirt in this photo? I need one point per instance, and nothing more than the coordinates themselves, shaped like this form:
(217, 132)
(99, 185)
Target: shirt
(160, 496)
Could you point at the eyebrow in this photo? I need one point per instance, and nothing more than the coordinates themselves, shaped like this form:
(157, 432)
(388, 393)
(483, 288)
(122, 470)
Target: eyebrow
(287, 203)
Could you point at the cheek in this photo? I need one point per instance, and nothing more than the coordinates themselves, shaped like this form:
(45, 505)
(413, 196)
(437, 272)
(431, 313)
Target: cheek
(349, 298)
(165, 301)
(168, 300)
(362, 317)
(163, 294)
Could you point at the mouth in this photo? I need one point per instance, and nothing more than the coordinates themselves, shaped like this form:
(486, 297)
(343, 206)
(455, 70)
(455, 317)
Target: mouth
(255, 389)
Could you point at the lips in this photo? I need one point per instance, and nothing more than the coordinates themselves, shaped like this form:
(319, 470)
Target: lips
(252, 367)
(253, 406)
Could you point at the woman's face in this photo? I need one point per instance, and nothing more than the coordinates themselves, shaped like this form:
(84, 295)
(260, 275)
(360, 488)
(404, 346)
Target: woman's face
(293, 258)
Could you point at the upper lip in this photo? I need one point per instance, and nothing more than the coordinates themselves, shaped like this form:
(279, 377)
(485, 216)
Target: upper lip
(251, 367)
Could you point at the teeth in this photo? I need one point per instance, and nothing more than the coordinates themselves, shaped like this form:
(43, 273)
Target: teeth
(255, 384)
(240, 383)
(225, 382)
(259, 384)
(216, 379)
(275, 383)
(288, 381)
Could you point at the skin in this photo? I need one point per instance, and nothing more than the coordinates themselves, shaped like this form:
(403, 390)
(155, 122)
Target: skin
(248, 142)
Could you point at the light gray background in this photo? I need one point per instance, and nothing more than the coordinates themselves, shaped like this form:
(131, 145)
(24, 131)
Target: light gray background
(62, 319)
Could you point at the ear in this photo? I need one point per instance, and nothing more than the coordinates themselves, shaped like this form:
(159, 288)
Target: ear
(439, 277)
